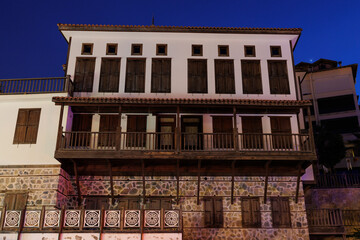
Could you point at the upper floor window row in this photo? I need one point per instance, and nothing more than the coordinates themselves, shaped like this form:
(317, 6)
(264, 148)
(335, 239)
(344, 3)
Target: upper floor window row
(162, 50)
(197, 76)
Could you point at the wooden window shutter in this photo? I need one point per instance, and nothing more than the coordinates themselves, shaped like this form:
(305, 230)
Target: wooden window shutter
(27, 125)
(251, 77)
(209, 212)
(166, 203)
(197, 76)
(84, 74)
(224, 76)
(278, 77)
(161, 75)
(218, 209)
(109, 75)
(15, 201)
(154, 204)
(108, 125)
(246, 212)
(134, 204)
(281, 129)
(136, 128)
(256, 216)
(250, 208)
(280, 212)
(252, 132)
(135, 75)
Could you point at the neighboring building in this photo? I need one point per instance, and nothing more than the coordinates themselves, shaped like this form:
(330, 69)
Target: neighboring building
(174, 132)
(331, 88)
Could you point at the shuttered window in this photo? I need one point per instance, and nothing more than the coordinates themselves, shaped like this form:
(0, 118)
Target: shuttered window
(129, 203)
(197, 76)
(108, 126)
(278, 77)
(280, 212)
(252, 132)
(136, 131)
(281, 129)
(224, 76)
(27, 125)
(109, 75)
(251, 77)
(250, 208)
(81, 127)
(161, 75)
(84, 74)
(159, 203)
(15, 201)
(96, 203)
(135, 75)
(223, 130)
(213, 212)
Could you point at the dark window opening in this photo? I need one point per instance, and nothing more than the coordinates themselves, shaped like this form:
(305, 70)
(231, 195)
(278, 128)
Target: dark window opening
(111, 49)
(87, 49)
(336, 104)
(136, 49)
(197, 50)
(275, 51)
(223, 50)
(341, 125)
(250, 51)
(161, 49)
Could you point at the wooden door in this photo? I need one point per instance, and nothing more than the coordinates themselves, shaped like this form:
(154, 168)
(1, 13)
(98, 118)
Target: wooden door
(223, 132)
(252, 132)
(107, 130)
(191, 137)
(166, 130)
(81, 130)
(281, 130)
(136, 131)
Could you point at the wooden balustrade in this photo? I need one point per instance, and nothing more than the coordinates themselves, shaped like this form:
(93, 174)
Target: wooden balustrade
(157, 141)
(324, 218)
(36, 85)
(338, 180)
(351, 217)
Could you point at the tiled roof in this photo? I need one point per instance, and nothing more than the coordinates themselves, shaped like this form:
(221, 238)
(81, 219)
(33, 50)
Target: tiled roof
(154, 28)
(181, 101)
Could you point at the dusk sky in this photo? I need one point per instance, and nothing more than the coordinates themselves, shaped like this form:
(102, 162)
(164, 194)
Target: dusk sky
(32, 46)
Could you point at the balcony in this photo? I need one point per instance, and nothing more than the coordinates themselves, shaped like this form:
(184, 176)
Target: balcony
(115, 221)
(329, 180)
(36, 85)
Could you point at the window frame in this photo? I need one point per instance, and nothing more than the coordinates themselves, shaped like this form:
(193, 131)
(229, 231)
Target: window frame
(197, 54)
(140, 45)
(23, 141)
(206, 91)
(274, 47)
(157, 49)
(280, 212)
(253, 224)
(127, 88)
(109, 45)
(216, 223)
(250, 55)
(231, 88)
(227, 54)
(91, 49)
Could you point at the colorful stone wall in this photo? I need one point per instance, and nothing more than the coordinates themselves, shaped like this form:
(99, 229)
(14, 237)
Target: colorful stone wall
(40, 182)
(193, 214)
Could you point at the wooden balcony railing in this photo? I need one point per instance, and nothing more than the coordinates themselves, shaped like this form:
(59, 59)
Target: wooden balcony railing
(186, 142)
(82, 220)
(337, 180)
(36, 85)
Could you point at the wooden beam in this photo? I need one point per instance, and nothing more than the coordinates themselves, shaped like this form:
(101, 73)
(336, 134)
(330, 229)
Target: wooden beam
(3, 213)
(61, 224)
(21, 224)
(177, 130)
(59, 137)
(111, 182)
(298, 183)
(118, 131)
(266, 179)
(232, 180)
(77, 183)
(235, 130)
(177, 181)
(143, 179)
(198, 187)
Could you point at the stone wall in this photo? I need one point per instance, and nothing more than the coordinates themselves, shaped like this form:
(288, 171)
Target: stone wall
(193, 214)
(40, 182)
(342, 198)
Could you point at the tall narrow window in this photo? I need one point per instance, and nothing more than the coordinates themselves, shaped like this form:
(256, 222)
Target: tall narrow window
(81, 128)
(252, 132)
(250, 208)
(15, 200)
(84, 74)
(278, 77)
(224, 76)
(135, 75)
(109, 75)
(136, 131)
(161, 75)
(251, 77)
(197, 76)
(280, 212)
(281, 130)
(223, 130)
(213, 212)
(108, 126)
(27, 125)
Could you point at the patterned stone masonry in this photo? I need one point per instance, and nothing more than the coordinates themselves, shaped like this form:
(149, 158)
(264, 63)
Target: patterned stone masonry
(193, 214)
(41, 183)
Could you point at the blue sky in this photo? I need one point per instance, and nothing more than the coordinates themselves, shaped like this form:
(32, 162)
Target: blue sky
(32, 46)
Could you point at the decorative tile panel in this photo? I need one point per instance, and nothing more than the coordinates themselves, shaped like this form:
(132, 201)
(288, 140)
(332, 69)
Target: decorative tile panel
(92, 218)
(132, 218)
(12, 219)
(171, 218)
(52, 218)
(32, 219)
(112, 218)
(152, 218)
(72, 218)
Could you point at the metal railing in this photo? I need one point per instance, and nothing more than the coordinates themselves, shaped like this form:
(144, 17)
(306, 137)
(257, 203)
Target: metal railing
(36, 85)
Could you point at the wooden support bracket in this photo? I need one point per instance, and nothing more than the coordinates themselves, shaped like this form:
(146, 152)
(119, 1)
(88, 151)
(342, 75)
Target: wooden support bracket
(232, 180)
(143, 179)
(77, 184)
(198, 187)
(298, 182)
(111, 182)
(177, 181)
(267, 165)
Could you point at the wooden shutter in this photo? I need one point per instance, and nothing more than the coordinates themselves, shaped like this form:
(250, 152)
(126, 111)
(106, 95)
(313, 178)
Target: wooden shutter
(109, 75)
(161, 75)
(136, 128)
(251, 77)
(252, 132)
(197, 76)
(223, 132)
(250, 208)
(246, 212)
(280, 212)
(209, 212)
(278, 77)
(256, 216)
(218, 212)
(281, 128)
(154, 204)
(134, 204)
(224, 76)
(15, 201)
(108, 126)
(84, 74)
(166, 203)
(135, 75)
(81, 126)
(96, 203)
(27, 126)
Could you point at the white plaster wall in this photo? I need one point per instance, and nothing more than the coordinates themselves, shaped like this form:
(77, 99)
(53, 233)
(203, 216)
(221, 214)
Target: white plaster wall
(29, 154)
(179, 50)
